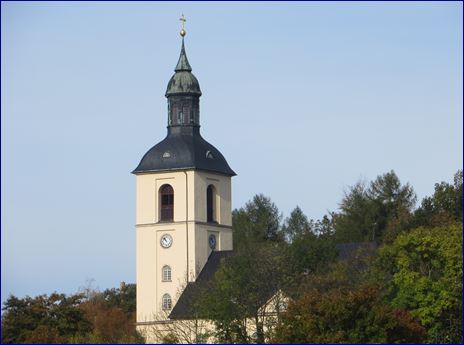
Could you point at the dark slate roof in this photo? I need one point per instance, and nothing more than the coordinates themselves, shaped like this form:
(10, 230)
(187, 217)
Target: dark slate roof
(184, 148)
(182, 309)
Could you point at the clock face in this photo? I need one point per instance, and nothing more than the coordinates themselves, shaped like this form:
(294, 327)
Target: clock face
(212, 241)
(166, 241)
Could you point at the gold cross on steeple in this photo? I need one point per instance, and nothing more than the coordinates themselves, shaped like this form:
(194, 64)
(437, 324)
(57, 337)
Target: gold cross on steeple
(183, 20)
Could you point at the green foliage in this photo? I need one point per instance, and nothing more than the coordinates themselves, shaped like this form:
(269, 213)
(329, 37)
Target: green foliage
(123, 298)
(43, 319)
(426, 278)
(443, 207)
(324, 228)
(343, 301)
(346, 316)
(58, 318)
(307, 255)
(306, 252)
(246, 281)
(297, 225)
(258, 221)
(346, 274)
(242, 285)
(376, 212)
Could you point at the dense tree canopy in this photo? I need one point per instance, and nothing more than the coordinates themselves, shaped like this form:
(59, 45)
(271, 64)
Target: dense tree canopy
(259, 220)
(376, 211)
(443, 207)
(106, 317)
(425, 266)
(43, 319)
(346, 316)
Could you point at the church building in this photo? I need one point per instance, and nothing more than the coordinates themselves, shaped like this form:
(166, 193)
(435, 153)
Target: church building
(183, 210)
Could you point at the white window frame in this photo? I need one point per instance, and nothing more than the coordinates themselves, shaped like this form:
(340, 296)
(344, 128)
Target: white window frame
(166, 273)
(166, 302)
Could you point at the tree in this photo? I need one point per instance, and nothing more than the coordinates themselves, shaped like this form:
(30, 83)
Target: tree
(425, 266)
(112, 316)
(376, 212)
(90, 317)
(324, 227)
(307, 255)
(43, 319)
(258, 221)
(310, 246)
(297, 225)
(109, 324)
(346, 316)
(124, 298)
(347, 274)
(443, 207)
(44, 335)
(240, 288)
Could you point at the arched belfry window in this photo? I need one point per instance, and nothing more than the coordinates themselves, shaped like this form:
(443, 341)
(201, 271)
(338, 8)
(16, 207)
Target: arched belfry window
(166, 272)
(166, 302)
(167, 203)
(211, 204)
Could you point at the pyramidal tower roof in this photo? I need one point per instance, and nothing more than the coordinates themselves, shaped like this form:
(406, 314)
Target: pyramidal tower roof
(183, 63)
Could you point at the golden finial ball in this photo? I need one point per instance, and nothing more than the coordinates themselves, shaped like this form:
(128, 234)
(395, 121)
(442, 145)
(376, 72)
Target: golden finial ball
(182, 32)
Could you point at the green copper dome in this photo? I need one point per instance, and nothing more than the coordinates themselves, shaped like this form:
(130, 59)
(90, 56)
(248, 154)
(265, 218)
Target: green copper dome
(183, 81)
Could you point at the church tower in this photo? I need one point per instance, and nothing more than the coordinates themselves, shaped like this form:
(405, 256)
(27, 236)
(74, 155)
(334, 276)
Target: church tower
(183, 209)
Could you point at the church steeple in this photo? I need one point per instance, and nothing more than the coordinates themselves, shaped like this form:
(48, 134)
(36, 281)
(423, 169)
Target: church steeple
(183, 147)
(183, 92)
(183, 207)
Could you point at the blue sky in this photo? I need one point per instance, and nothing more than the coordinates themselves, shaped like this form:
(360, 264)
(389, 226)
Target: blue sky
(323, 93)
